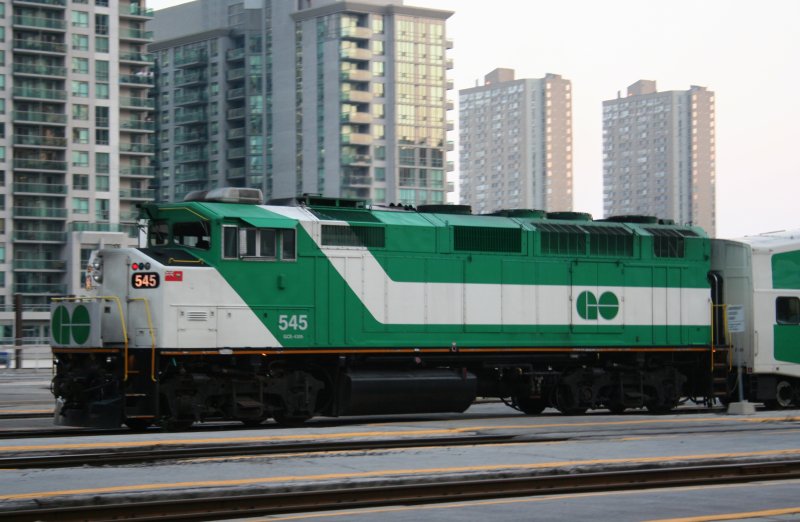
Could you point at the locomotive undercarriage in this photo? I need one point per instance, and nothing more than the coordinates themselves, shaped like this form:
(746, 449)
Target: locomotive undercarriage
(92, 390)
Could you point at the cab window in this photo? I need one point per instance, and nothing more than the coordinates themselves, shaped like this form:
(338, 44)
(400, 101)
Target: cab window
(158, 233)
(258, 244)
(787, 310)
(192, 234)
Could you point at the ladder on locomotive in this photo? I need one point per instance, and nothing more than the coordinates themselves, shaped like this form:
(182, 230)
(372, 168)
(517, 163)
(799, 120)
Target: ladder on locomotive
(140, 383)
(720, 360)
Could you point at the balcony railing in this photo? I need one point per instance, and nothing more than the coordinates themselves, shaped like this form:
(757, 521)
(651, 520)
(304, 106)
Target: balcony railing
(190, 58)
(40, 141)
(135, 10)
(39, 188)
(137, 79)
(192, 174)
(138, 148)
(136, 57)
(234, 114)
(186, 137)
(40, 236)
(191, 155)
(40, 288)
(39, 93)
(34, 164)
(39, 264)
(138, 125)
(136, 171)
(40, 117)
(40, 212)
(39, 70)
(54, 3)
(235, 54)
(32, 44)
(190, 117)
(190, 97)
(137, 193)
(127, 33)
(128, 101)
(40, 21)
(235, 74)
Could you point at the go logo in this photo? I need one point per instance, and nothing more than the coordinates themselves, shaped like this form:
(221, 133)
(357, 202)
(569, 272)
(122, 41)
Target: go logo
(66, 329)
(589, 306)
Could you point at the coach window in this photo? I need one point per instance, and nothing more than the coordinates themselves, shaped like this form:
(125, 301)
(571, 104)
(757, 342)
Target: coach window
(787, 310)
(289, 246)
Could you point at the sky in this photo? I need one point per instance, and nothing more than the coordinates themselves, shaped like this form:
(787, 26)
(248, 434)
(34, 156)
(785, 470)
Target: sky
(747, 52)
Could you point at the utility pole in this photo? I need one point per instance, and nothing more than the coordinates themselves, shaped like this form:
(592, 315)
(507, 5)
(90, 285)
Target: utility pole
(18, 331)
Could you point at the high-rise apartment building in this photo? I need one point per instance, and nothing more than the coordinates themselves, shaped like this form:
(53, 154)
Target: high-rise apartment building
(326, 97)
(659, 154)
(516, 143)
(75, 142)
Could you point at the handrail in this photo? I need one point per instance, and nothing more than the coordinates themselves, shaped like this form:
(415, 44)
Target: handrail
(121, 319)
(152, 336)
(725, 331)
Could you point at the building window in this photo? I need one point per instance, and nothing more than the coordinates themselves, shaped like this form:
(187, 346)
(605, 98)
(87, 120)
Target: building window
(100, 44)
(80, 89)
(80, 19)
(80, 135)
(80, 42)
(80, 65)
(80, 112)
(80, 205)
(80, 182)
(102, 209)
(80, 158)
(101, 91)
(787, 310)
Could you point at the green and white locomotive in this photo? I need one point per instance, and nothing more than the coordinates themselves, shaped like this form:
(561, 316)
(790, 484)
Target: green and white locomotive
(317, 306)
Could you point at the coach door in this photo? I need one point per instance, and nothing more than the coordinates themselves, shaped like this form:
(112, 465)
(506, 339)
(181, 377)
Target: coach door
(666, 306)
(597, 297)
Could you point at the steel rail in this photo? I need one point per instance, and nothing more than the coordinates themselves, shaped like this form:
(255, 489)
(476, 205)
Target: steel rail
(194, 506)
(114, 456)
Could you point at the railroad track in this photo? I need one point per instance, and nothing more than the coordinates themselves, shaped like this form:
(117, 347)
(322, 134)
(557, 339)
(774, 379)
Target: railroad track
(430, 490)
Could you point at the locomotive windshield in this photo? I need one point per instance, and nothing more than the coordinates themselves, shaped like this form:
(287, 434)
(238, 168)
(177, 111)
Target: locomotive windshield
(193, 234)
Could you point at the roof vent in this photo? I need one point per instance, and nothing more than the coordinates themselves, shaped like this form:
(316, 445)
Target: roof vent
(525, 213)
(445, 209)
(196, 195)
(570, 216)
(633, 218)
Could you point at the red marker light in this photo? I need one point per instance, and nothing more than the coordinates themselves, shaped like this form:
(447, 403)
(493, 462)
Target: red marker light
(135, 266)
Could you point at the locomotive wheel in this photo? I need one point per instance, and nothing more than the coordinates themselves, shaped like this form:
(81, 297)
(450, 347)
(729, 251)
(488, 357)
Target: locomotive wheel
(566, 402)
(784, 396)
(176, 424)
(616, 408)
(138, 424)
(528, 405)
(253, 423)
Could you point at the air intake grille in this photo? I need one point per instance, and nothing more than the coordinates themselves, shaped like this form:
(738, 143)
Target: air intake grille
(486, 239)
(354, 236)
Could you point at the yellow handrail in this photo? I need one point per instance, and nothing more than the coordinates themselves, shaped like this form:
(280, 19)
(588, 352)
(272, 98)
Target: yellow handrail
(121, 319)
(152, 336)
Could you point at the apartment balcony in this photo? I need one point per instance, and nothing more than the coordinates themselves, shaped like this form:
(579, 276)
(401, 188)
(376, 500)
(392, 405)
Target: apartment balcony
(38, 189)
(137, 148)
(235, 94)
(39, 265)
(354, 180)
(236, 153)
(189, 137)
(449, 85)
(137, 171)
(235, 173)
(132, 102)
(131, 10)
(357, 96)
(39, 117)
(236, 114)
(355, 54)
(33, 93)
(449, 166)
(356, 33)
(449, 125)
(34, 164)
(449, 105)
(449, 146)
(197, 116)
(138, 194)
(140, 79)
(194, 174)
(132, 215)
(356, 75)
(39, 46)
(127, 33)
(235, 74)
(39, 213)
(137, 58)
(190, 78)
(191, 98)
(31, 69)
(138, 125)
(40, 288)
(356, 138)
(39, 22)
(235, 55)
(356, 160)
(191, 156)
(236, 133)
(39, 141)
(85, 226)
(36, 236)
(191, 58)
(38, 3)
(448, 43)
(356, 117)
(448, 64)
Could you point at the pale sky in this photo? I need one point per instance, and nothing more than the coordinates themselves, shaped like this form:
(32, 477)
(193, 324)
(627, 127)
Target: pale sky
(747, 52)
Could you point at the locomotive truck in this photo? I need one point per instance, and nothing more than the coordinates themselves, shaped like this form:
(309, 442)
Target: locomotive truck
(318, 306)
